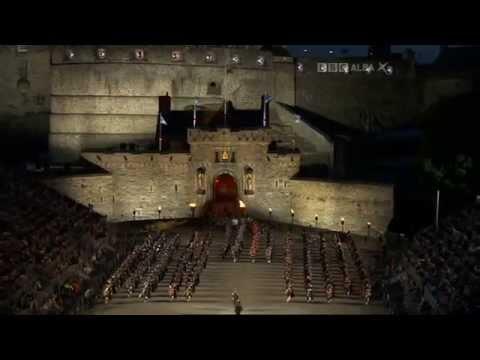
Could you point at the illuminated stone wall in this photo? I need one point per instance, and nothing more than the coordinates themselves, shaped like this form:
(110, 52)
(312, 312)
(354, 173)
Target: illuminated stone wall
(358, 203)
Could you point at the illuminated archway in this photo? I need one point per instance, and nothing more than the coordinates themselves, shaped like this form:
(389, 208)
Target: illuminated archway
(225, 196)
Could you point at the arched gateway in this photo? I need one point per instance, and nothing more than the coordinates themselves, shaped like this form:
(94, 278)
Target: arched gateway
(225, 196)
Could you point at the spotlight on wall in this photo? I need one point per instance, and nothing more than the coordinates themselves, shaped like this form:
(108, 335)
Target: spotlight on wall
(300, 67)
(270, 212)
(369, 224)
(236, 59)
(316, 220)
(342, 221)
(241, 204)
(292, 214)
(261, 60)
(159, 211)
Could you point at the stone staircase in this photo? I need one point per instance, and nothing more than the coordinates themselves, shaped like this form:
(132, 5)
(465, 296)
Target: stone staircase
(259, 282)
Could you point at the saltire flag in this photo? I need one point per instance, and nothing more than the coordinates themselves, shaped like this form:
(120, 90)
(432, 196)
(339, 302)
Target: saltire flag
(266, 100)
(162, 120)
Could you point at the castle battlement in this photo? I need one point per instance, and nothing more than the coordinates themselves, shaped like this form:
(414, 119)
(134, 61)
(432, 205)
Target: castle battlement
(252, 58)
(261, 136)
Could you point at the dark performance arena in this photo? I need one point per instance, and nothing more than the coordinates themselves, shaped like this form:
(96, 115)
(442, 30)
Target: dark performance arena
(239, 180)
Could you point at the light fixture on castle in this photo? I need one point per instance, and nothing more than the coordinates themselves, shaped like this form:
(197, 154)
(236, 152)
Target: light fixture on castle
(139, 54)
(316, 219)
(193, 206)
(159, 211)
(101, 53)
(69, 54)
(261, 60)
(270, 212)
(300, 67)
(236, 59)
(342, 222)
(292, 214)
(369, 225)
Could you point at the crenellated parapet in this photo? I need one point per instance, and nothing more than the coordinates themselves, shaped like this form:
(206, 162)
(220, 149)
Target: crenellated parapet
(165, 55)
(261, 136)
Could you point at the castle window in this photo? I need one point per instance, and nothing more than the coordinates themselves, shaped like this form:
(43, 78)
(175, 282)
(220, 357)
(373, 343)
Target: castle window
(213, 89)
(22, 49)
(69, 54)
(177, 56)
(139, 54)
(176, 188)
(261, 60)
(210, 58)
(201, 180)
(101, 54)
(249, 181)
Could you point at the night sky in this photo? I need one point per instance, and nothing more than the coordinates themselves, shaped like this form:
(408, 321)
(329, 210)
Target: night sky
(424, 53)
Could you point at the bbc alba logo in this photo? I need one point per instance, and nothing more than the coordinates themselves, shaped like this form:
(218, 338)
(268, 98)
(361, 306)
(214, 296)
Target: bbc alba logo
(347, 68)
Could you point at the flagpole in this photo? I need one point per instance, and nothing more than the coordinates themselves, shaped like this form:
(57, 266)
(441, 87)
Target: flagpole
(194, 113)
(437, 206)
(264, 111)
(160, 134)
(225, 96)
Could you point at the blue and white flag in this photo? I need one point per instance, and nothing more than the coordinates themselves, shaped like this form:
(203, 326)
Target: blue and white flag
(162, 120)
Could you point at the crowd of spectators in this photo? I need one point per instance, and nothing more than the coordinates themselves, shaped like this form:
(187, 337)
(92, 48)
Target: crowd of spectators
(54, 252)
(439, 272)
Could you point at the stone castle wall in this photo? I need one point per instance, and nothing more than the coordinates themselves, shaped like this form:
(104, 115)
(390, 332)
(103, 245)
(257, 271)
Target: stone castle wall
(357, 203)
(99, 102)
(143, 182)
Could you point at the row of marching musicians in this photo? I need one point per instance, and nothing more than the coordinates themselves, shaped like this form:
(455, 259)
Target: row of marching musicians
(190, 266)
(288, 275)
(234, 238)
(307, 266)
(135, 265)
(346, 239)
(157, 270)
